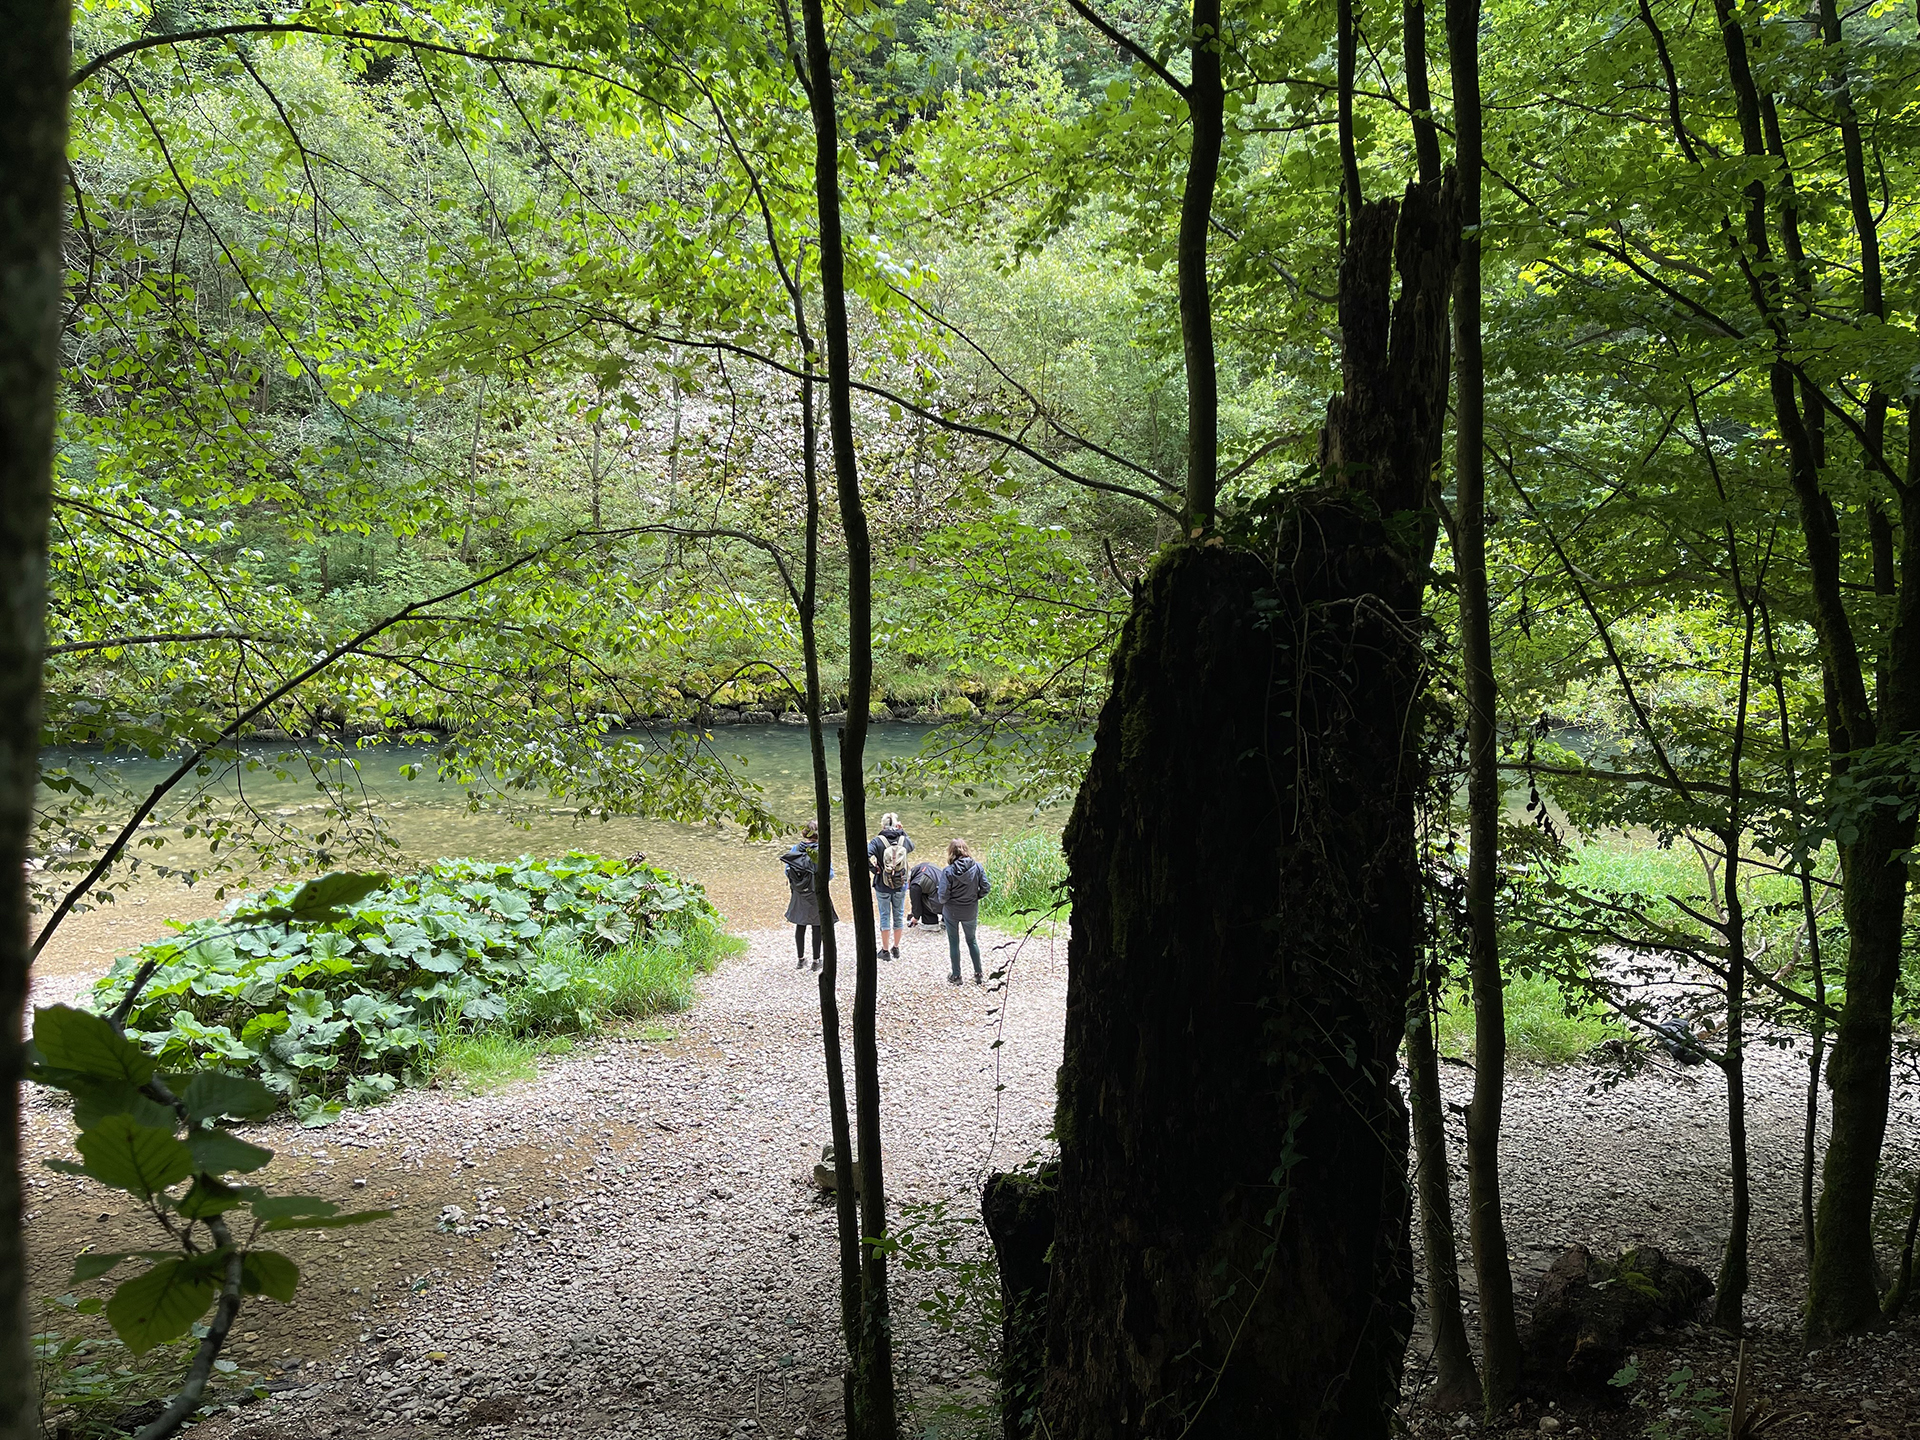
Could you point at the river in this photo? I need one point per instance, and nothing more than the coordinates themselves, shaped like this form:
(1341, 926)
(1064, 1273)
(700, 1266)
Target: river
(431, 820)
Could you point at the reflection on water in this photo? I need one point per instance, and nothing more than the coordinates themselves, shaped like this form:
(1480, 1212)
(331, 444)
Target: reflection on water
(431, 820)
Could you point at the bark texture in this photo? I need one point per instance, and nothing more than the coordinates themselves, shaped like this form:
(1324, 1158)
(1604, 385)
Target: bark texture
(1231, 1251)
(1018, 1210)
(33, 118)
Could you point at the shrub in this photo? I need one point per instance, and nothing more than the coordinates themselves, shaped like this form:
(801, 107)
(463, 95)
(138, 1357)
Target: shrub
(1028, 871)
(354, 1006)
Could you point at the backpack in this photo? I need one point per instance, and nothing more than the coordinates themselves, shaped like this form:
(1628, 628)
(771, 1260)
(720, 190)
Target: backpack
(893, 866)
(799, 871)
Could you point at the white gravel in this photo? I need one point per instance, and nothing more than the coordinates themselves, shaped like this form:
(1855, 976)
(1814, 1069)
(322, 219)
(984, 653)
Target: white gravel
(682, 1280)
(672, 1270)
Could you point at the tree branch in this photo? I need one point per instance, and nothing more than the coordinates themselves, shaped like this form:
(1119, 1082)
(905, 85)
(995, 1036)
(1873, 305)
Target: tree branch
(1092, 17)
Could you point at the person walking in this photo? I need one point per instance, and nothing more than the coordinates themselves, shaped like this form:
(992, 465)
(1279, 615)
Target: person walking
(887, 856)
(962, 886)
(923, 891)
(805, 907)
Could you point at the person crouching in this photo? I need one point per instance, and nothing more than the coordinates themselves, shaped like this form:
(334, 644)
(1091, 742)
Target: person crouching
(923, 894)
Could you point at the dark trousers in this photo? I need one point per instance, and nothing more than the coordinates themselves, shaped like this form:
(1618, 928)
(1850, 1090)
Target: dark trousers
(954, 927)
(800, 941)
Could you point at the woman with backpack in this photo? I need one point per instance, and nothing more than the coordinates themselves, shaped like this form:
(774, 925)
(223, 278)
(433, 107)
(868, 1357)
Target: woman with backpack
(963, 884)
(805, 886)
(887, 856)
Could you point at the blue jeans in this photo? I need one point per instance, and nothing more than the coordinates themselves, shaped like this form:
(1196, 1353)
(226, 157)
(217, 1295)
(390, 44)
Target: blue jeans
(954, 927)
(890, 909)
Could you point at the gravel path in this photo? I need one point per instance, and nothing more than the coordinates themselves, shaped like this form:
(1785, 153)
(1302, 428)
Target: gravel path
(675, 1276)
(1647, 1163)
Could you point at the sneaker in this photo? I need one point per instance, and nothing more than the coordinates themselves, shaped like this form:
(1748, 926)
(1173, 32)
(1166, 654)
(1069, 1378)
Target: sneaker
(953, 979)
(976, 978)
(801, 963)
(896, 952)
(816, 965)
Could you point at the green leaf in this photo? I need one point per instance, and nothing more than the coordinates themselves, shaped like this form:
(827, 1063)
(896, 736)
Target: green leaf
(70, 1039)
(211, 1094)
(209, 1197)
(326, 897)
(139, 1159)
(269, 1273)
(286, 1207)
(92, 1267)
(327, 1222)
(216, 1152)
(162, 1304)
(95, 1098)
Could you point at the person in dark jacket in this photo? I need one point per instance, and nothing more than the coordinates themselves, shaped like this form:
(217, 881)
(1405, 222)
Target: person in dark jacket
(962, 886)
(923, 890)
(805, 886)
(887, 856)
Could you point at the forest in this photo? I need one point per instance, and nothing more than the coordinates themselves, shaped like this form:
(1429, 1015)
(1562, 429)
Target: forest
(1394, 529)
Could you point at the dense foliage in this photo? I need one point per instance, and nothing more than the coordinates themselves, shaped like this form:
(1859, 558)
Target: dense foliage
(352, 1006)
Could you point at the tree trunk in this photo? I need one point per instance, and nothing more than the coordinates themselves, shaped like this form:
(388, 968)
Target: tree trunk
(33, 117)
(1018, 1210)
(1486, 1224)
(1231, 1255)
(871, 1410)
(1843, 1294)
(1456, 1381)
(1206, 108)
(1896, 1298)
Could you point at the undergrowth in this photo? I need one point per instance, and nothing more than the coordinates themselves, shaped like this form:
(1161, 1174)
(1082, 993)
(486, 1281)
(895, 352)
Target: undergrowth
(465, 968)
(1029, 873)
(94, 1388)
(1544, 1026)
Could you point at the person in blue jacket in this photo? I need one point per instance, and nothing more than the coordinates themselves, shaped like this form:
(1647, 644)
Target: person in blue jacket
(962, 886)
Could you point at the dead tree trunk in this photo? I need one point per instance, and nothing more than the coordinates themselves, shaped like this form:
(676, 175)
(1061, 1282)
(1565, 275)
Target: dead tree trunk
(1231, 1252)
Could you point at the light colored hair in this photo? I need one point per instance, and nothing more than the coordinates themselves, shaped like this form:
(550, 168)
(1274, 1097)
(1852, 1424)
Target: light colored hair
(889, 821)
(957, 848)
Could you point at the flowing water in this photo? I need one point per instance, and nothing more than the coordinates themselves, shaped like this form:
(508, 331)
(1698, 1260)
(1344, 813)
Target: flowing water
(431, 819)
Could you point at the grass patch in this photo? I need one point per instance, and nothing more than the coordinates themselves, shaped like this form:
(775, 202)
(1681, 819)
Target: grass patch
(574, 991)
(485, 1060)
(1541, 1025)
(1028, 871)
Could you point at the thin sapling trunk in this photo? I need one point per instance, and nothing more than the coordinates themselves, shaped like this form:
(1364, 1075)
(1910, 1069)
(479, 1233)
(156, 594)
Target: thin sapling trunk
(871, 1413)
(1486, 1224)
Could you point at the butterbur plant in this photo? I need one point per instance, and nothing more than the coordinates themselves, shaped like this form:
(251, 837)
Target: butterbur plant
(346, 1000)
(157, 1136)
